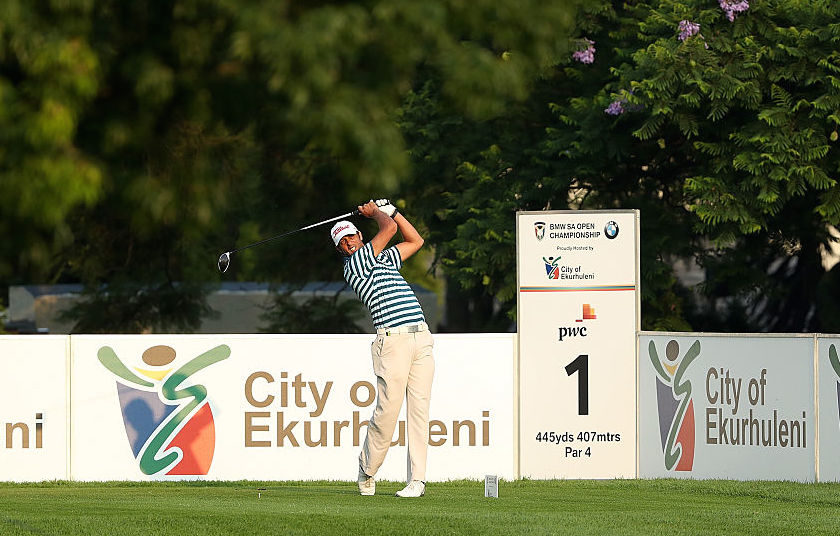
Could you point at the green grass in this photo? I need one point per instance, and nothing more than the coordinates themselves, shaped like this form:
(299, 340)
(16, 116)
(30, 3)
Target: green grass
(669, 507)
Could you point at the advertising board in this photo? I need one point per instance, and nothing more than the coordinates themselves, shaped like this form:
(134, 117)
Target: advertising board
(578, 313)
(727, 406)
(276, 407)
(34, 441)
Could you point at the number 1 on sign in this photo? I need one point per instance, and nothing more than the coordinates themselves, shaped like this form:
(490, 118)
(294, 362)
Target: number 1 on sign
(581, 366)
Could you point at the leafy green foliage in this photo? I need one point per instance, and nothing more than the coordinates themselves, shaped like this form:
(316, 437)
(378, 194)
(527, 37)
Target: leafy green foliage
(291, 313)
(139, 140)
(558, 150)
(142, 139)
(725, 140)
(751, 96)
(47, 79)
(130, 308)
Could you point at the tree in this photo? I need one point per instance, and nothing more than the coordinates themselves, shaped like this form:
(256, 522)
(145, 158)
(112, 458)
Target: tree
(143, 138)
(558, 150)
(309, 314)
(47, 80)
(727, 150)
(753, 90)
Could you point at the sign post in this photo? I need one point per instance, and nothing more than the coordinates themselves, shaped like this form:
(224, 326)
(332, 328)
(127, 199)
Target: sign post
(578, 314)
(736, 406)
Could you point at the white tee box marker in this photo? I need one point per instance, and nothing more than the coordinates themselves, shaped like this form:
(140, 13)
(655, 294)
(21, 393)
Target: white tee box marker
(491, 486)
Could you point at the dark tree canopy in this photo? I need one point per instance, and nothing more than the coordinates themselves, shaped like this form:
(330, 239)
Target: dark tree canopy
(138, 140)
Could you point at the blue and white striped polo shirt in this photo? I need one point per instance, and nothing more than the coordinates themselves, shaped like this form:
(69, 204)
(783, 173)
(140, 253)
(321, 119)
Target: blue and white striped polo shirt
(379, 284)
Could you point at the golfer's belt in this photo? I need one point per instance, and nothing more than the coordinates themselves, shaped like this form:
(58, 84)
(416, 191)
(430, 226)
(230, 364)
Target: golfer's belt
(409, 328)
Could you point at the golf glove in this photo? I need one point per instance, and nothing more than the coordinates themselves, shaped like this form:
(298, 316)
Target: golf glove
(386, 207)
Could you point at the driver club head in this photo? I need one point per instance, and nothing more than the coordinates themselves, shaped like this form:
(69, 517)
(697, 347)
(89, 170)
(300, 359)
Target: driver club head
(224, 261)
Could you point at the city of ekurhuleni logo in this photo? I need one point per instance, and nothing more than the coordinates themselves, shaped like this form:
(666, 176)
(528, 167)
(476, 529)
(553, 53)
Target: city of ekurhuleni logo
(169, 425)
(835, 364)
(674, 404)
(552, 268)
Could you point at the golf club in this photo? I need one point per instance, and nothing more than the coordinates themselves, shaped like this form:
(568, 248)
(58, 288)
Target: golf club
(224, 258)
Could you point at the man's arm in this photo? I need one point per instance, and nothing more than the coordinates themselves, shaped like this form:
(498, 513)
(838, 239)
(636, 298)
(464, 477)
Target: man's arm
(412, 241)
(387, 227)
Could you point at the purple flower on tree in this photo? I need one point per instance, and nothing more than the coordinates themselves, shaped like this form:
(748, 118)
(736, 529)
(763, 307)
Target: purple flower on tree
(615, 108)
(620, 105)
(585, 55)
(731, 7)
(687, 29)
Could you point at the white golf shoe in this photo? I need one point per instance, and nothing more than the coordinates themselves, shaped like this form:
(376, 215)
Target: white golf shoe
(415, 488)
(367, 485)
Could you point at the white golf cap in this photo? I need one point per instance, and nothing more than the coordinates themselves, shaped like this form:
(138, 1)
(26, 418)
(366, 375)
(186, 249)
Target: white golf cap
(342, 229)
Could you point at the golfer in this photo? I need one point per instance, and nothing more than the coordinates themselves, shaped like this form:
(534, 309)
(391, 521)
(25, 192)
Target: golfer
(402, 350)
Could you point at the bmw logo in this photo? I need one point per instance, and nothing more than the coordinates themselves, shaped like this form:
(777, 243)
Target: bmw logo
(611, 229)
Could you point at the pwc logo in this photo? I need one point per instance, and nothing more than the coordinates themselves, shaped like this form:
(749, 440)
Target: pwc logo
(587, 313)
(168, 421)
(675, 404)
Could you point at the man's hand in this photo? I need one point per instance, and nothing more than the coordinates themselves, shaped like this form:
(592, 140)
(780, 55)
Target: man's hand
(387, 226)
(387, 207)
(369, 209)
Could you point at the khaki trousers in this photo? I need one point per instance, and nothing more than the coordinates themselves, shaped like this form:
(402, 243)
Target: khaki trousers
(404, 368)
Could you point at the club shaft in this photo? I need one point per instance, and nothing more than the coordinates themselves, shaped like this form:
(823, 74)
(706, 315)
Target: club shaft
(264, 240)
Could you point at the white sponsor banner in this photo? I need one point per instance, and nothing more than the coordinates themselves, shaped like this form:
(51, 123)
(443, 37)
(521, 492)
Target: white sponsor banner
(277, 407)
(577, 322)
(828, 372)
(33, 407)
(727, 406)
